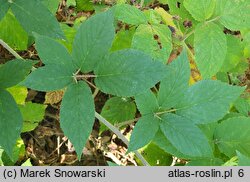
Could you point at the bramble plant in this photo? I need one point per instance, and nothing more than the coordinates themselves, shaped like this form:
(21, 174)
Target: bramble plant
(128, 53)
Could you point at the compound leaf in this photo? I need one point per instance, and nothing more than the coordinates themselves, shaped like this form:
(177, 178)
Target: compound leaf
(174, 86)
(185, 136)
(93, 41)
(233, 134)
(13, 72)
(147, 103)
(128, 72)
(210, 49)
(235, 14)
(35, 17)
(208, 101)
(49, 78)
(130, 14)
(10, 122)
(55, 53)
(144, 131)
(77, 114)
(200, 9)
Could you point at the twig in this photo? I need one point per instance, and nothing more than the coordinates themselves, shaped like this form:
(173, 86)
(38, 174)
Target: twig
(6, 46)
(121, 136)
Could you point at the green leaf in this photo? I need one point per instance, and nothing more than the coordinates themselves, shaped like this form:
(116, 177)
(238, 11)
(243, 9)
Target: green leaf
(242, 106)
(177, 8)
(93, 41)
(206, 162)
(123, 39)
(18, 152)
(13, 72)
(147, 103)
(185, 136)
(19, 93)
(55, 53)
(158, 41)
(208, 101)
(210, 48)
(71, 3)
(233, 134)
(236, 14)
(1, 154)
(144, 131)
(174, 86)
(155, 156)
(49, 78)
(153, 17)
(27, 163)
(70, 33)
(208, 129)
(35, 17)
(84, 5)
(231, 162)
(161, 140)
(234, 53)
(118, 109)
(128, 72)
(3, 8)
(12, 33)
(52, 5)
(219, 7)
(243, 160)
(112, 164)
(130, 14)
(32, 113)
(10, 122)
(200, 9)
(77, 115)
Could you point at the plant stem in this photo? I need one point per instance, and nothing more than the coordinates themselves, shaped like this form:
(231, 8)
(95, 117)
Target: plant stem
(6, 46)
(95, 92)
(141, 3)
(121, 136)
(126, 122)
